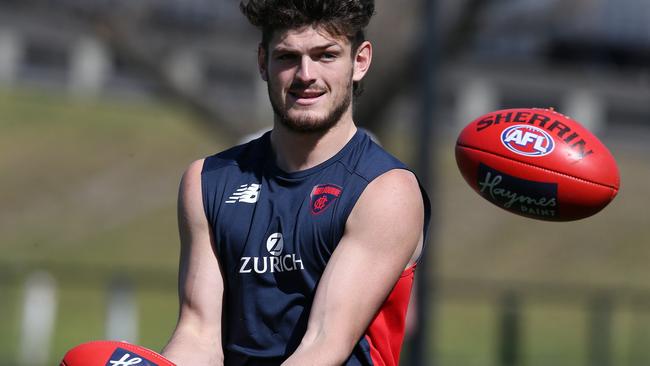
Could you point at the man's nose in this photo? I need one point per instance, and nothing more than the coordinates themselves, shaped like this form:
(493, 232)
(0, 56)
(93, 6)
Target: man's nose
(305, 70)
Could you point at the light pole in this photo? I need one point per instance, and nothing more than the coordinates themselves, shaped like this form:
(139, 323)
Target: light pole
(426, 284)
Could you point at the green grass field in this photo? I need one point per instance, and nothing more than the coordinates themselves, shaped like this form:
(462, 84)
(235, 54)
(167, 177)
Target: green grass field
(88, 192)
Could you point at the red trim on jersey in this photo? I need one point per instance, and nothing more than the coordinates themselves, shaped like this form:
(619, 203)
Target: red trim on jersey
(386, 331)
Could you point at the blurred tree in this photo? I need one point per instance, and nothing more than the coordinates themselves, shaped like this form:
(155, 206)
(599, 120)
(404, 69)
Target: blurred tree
(125, 27)
(396, 67)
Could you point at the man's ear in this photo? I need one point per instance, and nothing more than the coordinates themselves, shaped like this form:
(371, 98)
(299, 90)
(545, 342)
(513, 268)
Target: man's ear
(362, 60)
(261, 62)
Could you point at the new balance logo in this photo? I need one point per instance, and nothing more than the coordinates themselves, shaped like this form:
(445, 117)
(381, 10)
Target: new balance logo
(246, 193)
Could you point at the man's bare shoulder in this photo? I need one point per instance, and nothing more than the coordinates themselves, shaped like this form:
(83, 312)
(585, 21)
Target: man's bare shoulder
(395, 188)
(192, 175)
(394, 195)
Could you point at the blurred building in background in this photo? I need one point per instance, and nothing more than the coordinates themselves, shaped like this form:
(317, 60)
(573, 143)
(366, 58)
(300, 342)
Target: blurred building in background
(197, 51)
(588, 58)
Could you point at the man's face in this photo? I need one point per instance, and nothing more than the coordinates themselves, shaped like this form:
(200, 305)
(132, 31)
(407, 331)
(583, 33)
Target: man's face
(309, 78)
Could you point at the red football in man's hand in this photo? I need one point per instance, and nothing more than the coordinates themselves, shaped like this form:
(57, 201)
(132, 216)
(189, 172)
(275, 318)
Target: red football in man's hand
(537, 163)
(112, 353)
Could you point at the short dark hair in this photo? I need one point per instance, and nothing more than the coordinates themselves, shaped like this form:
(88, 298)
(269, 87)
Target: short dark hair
(344, 18)
(339, 17)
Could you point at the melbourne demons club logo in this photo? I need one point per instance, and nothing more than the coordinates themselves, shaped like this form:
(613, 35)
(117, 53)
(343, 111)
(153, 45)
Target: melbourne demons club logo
(322, 196)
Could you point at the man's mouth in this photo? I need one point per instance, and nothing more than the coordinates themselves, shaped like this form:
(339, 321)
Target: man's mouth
(306, 97)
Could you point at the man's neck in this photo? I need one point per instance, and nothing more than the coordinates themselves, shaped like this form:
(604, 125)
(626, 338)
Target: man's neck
(296, 151)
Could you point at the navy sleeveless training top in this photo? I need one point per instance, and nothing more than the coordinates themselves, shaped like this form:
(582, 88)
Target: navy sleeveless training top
(274, 233)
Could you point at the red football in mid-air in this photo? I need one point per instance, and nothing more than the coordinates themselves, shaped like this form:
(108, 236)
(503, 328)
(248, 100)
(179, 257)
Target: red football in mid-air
(112, 353)
(537, 163)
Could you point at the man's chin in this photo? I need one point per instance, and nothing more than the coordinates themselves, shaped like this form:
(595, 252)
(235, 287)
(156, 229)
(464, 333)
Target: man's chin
(311, 119)
(307, 122)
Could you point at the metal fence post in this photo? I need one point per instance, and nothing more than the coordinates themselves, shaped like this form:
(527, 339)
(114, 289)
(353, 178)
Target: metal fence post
(122, 312)
(600, 331)
(39, 310)
(509, 337)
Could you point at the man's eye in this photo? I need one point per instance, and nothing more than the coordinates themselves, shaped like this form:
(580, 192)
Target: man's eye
(328, 56)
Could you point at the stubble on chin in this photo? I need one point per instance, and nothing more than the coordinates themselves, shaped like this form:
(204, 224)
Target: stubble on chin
(307, 123)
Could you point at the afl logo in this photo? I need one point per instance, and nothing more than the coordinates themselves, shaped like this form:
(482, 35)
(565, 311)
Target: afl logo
(275, 244)
(527, 140)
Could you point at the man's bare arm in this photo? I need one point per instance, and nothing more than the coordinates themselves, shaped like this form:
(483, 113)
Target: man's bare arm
(197, 337)
(383, 235)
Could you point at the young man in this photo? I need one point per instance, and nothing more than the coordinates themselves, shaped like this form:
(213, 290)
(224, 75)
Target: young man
(299, 248)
